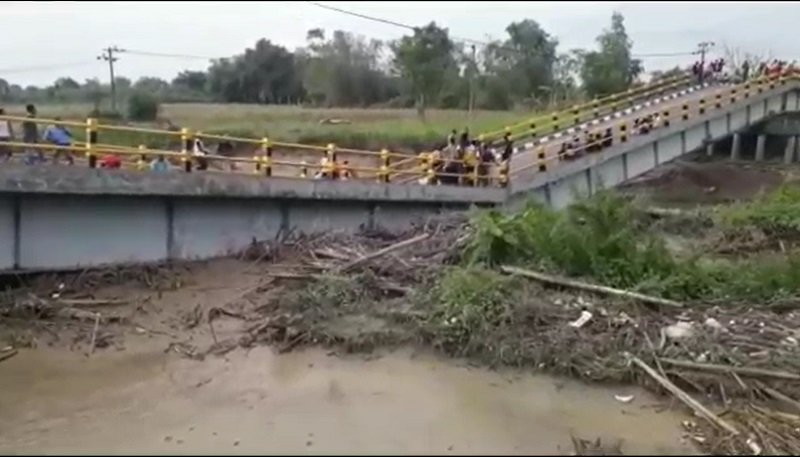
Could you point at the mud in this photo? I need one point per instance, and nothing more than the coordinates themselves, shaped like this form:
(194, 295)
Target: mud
(690, 183)
(309, 402)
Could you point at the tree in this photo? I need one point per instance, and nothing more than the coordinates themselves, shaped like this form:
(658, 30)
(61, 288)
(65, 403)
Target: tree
(152, 85)
(263, 74)
(424, 60)
(142, 106)
(66, 83)
(344, 70)
(192, 80)
(5, 90)
(610, 69)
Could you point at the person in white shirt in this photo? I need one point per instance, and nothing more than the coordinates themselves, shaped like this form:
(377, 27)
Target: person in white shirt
(6, 134)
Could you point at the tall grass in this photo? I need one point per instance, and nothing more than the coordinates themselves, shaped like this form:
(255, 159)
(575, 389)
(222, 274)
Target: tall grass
(367, 128)
(600, 238)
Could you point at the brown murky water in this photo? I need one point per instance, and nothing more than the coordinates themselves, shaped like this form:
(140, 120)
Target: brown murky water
(308, 402)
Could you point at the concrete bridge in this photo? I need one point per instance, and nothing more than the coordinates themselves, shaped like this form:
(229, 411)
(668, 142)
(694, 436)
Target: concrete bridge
(68, 217)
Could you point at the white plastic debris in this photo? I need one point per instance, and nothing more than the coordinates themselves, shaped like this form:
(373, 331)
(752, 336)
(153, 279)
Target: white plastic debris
(751, 443)
(624, 398)
(582, 320)
(713, 323)
(702, 358)
(790, 341)
(679, 330)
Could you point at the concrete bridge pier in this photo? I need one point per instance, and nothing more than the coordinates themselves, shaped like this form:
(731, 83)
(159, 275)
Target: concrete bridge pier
(760, 147)
(736, 147)
(710, 149)
(789, 154)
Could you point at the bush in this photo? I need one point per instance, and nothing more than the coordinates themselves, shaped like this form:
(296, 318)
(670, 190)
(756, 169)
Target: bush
(142, 107)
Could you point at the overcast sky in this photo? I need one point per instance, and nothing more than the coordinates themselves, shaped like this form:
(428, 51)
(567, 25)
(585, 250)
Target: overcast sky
(45, 40)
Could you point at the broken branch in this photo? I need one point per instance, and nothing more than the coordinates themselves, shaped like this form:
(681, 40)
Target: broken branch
(589, 287)
(382, 252)
(747, 371)
(684, 397)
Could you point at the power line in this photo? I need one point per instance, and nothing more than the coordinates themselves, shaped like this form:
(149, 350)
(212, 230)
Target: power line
(45, 67)
(469, 40)
(163, 54)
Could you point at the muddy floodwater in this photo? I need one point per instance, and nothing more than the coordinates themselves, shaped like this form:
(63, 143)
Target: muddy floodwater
(309, 402)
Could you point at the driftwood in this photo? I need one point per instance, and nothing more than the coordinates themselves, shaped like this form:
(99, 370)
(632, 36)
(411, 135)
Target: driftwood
(382, 252)
(88, 303)
(746, 371)
(685, 398)
(590, 287)
(780, 396)
(94, 333)
(5, 355)
(328, 252)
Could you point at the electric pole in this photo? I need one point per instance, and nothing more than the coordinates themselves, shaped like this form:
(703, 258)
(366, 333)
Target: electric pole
(473, 71)
(108, 56)
(702, 48)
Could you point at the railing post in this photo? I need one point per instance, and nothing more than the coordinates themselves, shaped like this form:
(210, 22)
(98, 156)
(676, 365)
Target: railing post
(141, 164)
(503, 173)
(576, 112)
(666, 117)
(91, 141)
(718, 97)
(383, 175)
(733, 95)
(623, 132)
(304, 169)
(266, 146)
(702, 109)
(186, 148)
(555, 122)
(685, 112)
(542, 156)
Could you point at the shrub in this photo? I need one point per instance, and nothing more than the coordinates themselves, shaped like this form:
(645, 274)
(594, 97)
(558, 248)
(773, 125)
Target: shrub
(142, 107)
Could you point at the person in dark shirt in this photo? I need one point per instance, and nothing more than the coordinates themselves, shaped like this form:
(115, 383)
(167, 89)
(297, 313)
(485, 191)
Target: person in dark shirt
(30, 135)
(464, 140)
(508, 146)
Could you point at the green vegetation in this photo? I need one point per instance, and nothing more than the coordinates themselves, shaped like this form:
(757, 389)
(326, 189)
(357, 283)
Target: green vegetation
(601, 238)
(142, 107)
(776, 212)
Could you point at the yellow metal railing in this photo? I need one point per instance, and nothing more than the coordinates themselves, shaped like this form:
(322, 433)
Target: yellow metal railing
(546, 123)
(623, 130)
(389, 166)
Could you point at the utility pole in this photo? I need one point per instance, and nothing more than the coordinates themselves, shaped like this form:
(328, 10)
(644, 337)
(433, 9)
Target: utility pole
(702, 48)
(108, 56)
(473, 71)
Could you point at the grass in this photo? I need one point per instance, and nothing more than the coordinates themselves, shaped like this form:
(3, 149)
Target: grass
(374, 129)
(601, 238)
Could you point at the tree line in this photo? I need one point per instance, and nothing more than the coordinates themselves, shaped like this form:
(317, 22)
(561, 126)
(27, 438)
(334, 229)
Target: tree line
(424, 69)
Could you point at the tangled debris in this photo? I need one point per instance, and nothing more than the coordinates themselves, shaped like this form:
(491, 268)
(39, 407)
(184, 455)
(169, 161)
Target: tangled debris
(736, 366)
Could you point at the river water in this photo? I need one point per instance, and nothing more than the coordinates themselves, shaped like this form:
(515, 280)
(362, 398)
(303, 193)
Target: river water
(309, 402)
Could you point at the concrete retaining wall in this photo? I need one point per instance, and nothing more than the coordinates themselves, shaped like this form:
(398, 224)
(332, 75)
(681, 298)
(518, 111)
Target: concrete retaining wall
(40, 232)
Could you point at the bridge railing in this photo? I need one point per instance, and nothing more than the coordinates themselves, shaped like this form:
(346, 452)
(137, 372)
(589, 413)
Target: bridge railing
(575, 115)
(548, 155)
(270, 158)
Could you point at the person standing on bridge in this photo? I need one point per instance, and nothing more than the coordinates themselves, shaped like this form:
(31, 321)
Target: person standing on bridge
(30, 135)
(58, 135)
(6, 134)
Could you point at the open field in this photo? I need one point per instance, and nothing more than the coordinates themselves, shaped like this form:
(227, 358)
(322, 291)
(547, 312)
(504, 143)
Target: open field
(398, 129)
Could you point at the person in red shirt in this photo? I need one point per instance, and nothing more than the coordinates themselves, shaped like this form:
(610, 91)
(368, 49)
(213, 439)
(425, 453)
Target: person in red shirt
(111, 161)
